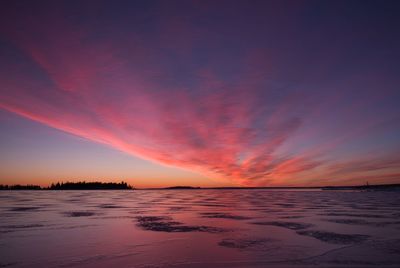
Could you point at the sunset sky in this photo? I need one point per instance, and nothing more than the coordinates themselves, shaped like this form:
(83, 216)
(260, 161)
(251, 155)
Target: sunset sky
(201, 93)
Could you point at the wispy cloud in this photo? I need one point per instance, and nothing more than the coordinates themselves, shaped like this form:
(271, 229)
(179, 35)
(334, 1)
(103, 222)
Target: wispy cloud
(175, 93)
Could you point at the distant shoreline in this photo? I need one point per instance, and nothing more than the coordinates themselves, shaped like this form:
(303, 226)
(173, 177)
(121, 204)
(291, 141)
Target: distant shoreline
(81, 185)
(325, 188)
(124, 186)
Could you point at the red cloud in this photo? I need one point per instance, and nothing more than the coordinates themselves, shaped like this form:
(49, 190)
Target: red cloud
(216, 129)
(152, 96)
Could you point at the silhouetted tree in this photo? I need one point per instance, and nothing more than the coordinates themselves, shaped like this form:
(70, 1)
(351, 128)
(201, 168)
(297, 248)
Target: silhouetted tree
(83, 185)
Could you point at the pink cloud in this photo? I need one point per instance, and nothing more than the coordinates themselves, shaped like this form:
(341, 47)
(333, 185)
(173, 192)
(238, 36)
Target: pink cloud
(153, 97)
(95, 95)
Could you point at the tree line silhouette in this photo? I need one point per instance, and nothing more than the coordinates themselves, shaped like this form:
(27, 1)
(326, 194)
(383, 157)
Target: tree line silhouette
(20, 187)
(81, 185)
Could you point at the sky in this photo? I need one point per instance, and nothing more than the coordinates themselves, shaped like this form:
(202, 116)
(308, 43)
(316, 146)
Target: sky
(201, 93)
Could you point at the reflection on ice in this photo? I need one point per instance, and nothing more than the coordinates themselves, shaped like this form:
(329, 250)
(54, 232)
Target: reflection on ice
(166, 224)
(199, 228)
(79, 214)
(285, 224)
(335, 238)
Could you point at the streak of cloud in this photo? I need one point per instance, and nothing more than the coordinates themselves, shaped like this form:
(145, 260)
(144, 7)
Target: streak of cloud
(176, 92)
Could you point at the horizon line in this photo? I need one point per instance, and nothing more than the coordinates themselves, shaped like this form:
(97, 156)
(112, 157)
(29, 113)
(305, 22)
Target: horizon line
(187, 187)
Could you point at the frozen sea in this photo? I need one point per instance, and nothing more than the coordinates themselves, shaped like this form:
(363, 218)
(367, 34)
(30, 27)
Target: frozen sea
(199, 228)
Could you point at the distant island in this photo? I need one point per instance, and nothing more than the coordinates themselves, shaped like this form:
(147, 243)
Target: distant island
(367, 187)
(81, 185)
(180, 188)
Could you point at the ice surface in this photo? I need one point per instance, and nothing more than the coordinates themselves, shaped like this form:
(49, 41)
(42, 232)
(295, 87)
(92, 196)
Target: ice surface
(199, 228)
